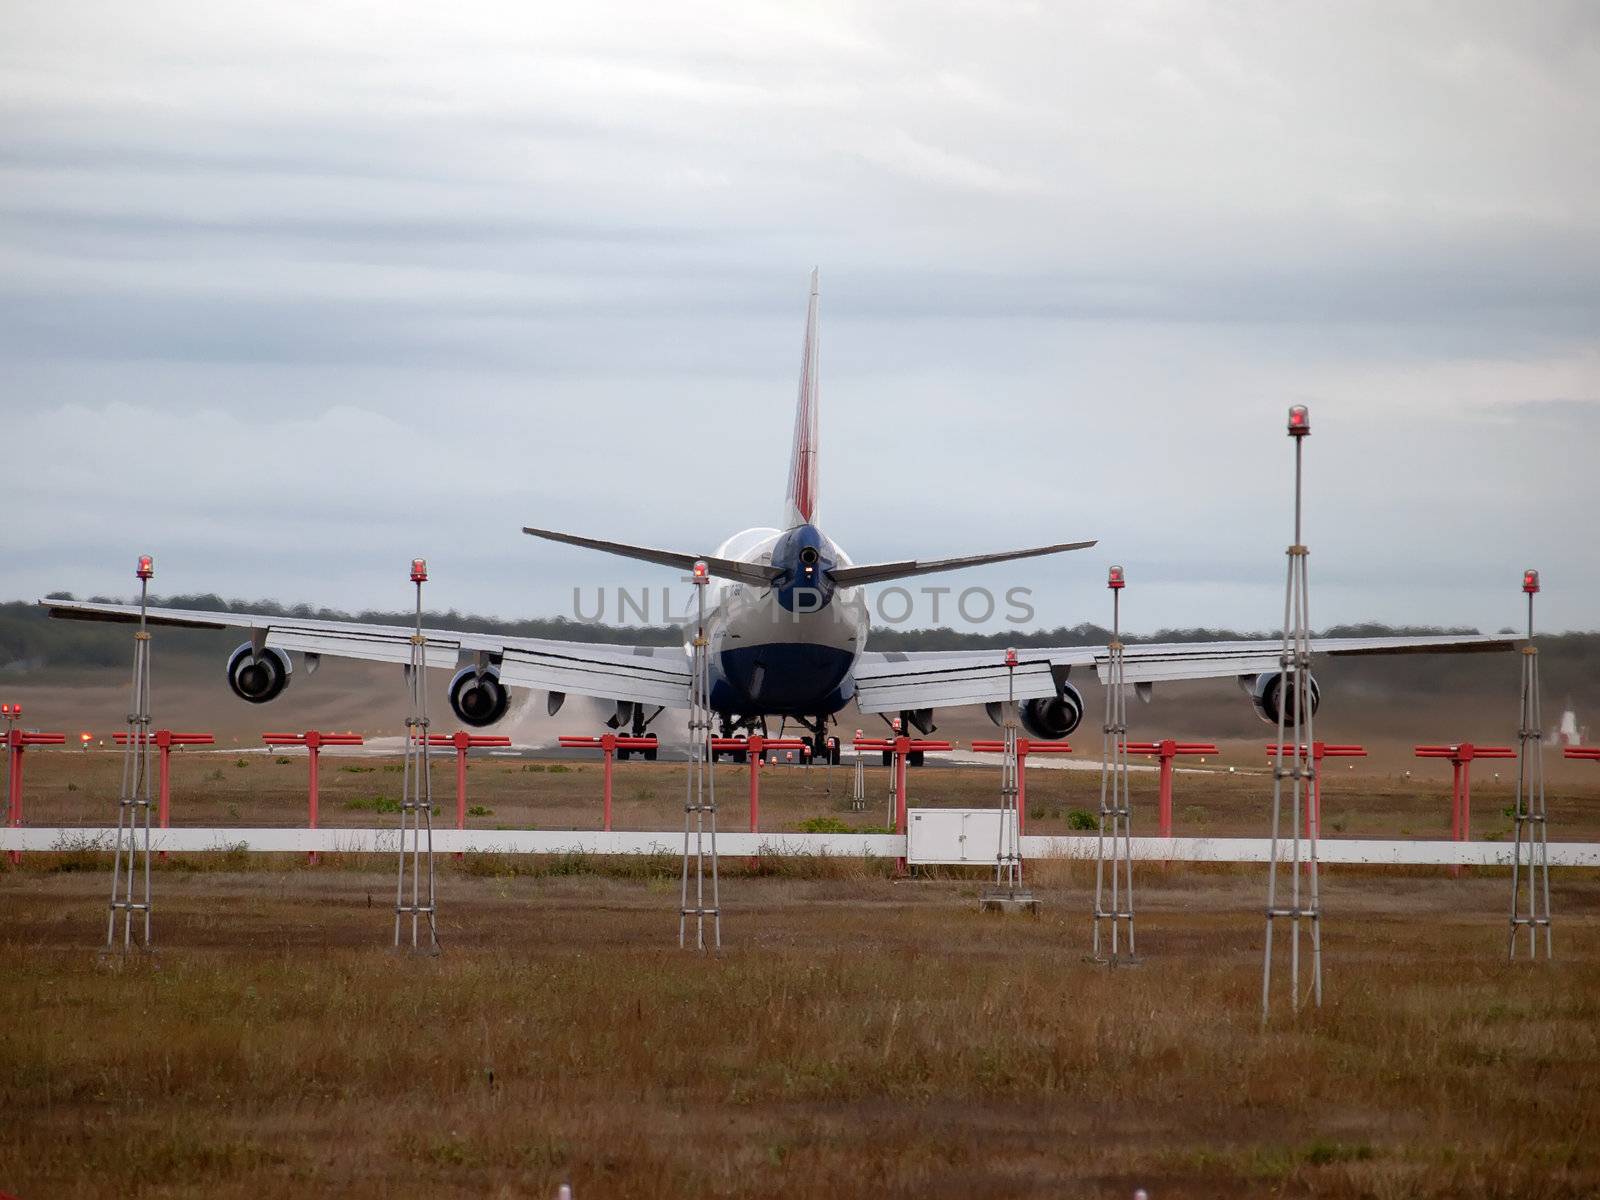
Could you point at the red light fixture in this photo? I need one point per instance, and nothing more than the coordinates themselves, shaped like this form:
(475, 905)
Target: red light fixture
(1299, 420)
(147, 568)
(1115, 579)
(1530, 581)
(1011, 658)
(419, 570)
(701, 572)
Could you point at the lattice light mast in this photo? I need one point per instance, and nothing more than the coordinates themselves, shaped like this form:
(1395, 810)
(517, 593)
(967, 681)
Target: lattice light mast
(1292, 760)
(1114, 843)
(700, 797)
(1008, 855)
(1530, 863)
(416, 804)
(132, 861)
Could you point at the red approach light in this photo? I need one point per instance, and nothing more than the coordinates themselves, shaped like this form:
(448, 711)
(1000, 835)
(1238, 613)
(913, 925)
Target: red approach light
(1530, 581)
(5, 711)
(701, 572)
(86, 738)
(1299, 420)
(419, 570)
(1011, 658)
(147, 568)
(895, 724)
(1116, 580)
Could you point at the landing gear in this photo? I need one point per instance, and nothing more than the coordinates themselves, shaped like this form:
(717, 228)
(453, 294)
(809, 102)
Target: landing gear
(727, 727)
(920, 720)
(638, 724)
(824, 749)
(732, 726)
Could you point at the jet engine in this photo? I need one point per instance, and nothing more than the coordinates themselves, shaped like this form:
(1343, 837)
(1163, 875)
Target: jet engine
(478, 697)
(258, 677)
(1267, 689)
(1047, 718)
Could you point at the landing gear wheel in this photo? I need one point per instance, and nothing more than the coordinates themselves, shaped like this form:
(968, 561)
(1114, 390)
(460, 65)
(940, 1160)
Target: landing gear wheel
(650, 754)
(914, 758)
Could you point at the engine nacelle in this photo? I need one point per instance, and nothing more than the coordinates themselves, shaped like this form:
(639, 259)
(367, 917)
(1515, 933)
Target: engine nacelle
(477, 697)
(1268, 689)
(1047, 718)
(258, 677)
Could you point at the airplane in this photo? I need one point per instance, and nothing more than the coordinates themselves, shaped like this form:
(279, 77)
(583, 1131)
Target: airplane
(787, 624)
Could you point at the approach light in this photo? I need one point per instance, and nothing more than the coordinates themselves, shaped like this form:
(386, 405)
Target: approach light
(1299, 420)
(1530, 581)
(1115, 579)
(701, 571)
(1011, 658)
(86, 738)
(419, 570)
(147, 568)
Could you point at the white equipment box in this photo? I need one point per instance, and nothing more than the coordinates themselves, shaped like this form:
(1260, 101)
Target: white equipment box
(953, 836)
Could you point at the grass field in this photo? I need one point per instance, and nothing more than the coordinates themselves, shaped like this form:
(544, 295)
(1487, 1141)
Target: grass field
(859, 1035)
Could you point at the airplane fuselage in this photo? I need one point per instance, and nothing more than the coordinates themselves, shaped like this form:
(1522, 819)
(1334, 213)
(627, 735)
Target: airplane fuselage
(789, 649)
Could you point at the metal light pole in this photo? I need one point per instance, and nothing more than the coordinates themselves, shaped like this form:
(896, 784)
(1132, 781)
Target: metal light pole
(416, 804)
(1295, 736)
(133, 805)
(1113, 847)
(1530, 909)
(700, 798)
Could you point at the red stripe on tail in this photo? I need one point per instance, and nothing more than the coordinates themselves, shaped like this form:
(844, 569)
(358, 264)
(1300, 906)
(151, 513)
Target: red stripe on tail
(803, 458)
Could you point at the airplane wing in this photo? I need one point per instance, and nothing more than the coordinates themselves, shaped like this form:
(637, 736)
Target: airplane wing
(898, 681)
(759, 574)
(656, 675)
(881, 572)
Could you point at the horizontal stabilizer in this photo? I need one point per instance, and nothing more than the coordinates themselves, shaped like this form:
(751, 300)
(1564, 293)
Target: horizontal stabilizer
(879, 572)
(722, 568)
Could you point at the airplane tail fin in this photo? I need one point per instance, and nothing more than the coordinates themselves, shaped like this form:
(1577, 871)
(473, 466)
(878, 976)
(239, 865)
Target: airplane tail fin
(802, 505)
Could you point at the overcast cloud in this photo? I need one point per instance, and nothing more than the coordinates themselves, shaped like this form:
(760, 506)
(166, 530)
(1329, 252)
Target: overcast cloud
(291, 293)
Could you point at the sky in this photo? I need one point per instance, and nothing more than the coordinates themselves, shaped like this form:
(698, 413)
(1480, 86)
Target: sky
(290, 294)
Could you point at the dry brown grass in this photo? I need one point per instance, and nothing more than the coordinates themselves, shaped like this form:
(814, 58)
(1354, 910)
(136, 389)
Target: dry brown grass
(858, 1037)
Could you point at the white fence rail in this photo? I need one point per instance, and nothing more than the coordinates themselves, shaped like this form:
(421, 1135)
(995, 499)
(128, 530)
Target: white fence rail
(731, 845)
